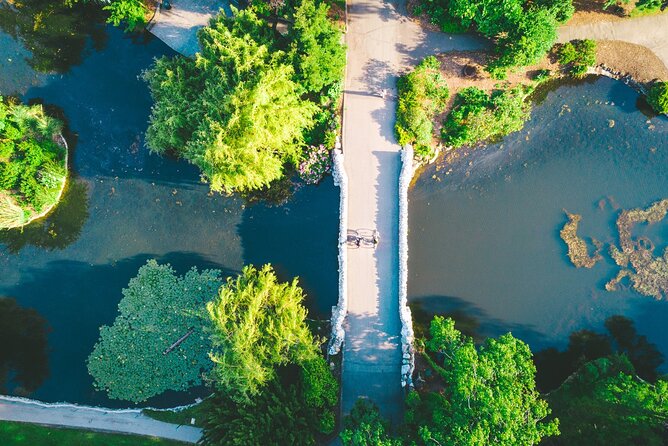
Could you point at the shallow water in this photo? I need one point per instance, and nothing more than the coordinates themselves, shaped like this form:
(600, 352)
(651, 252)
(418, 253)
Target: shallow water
(484, 239)
(124, 206)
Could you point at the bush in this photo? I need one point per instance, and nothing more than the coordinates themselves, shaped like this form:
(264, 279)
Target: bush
(317, 162)
(32, 165)
(157, 308)
(658, 97)
(578, 56)
(131, 12)
(478, 117)
(423, 93)
(365, 427)
(522, 32)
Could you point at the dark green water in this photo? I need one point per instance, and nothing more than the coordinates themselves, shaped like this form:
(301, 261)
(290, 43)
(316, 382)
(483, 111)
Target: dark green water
(123, 207)
(484, 239)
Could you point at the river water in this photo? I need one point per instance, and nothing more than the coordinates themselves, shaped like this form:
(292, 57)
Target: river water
(124, 206)
(484, 231)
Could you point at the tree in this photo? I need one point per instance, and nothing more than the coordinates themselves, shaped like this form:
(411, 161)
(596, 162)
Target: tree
(236, 111)
(604, 404)
(365, 427)
(258, 325)
(320, 57)
(422, 94)
(157, 309)
(578, 56)
(658, 97)
(489, 395)
(277, 416)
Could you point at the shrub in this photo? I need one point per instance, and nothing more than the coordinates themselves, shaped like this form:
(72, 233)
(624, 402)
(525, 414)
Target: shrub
(658, 97)
(422, 94)
(578, 56)
(32, 165)
(478, 117)
(317, 163)
(522, 32)
(130, 12)
(157, 308)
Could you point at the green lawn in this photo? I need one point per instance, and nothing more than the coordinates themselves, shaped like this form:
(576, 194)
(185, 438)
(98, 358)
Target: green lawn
(14, 434)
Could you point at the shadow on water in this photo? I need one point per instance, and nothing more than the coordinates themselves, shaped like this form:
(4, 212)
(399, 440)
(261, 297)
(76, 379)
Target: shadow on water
(469, 319)
(23, 348)
(57, 35)
(298, 238)
(77, 298)
(59, 229)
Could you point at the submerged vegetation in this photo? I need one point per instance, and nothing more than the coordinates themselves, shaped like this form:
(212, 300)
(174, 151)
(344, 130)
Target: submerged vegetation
(33, 163)
(577, 247)
(648, 273)
(252, 98)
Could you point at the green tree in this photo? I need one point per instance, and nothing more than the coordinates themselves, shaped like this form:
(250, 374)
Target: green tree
(157, 309)
(320, 57)
(604, 404)
(578, 56)
(489, 395)
(658, 97)
(258, 325)
(245, 117)
(365, 427)
(422, 94)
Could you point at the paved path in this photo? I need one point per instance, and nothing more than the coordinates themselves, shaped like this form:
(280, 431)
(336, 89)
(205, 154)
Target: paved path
(125, 421)
(177, 27)
(650, 31)
(382, 43)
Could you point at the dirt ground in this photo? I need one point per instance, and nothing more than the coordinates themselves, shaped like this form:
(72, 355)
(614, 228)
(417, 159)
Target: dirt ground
(635, 60)
(591, 11)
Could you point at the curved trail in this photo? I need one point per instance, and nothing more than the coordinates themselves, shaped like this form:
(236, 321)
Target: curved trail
(129, 421)
(650, 32)
(382, 43)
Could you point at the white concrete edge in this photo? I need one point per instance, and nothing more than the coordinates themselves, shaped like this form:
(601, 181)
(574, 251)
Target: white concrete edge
(18, 399)
(407, 336)
(341, 309)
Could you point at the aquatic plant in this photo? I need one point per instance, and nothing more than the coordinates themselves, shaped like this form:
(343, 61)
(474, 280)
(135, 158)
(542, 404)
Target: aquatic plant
(647, 273)
(130, 360)
(577, 247)
(317, 163)
(33, 158)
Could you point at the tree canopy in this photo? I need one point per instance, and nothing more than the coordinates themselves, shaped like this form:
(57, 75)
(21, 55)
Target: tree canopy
(605, 404)
(157, 309)
(244, 108)
(489, 394)
(258, 325)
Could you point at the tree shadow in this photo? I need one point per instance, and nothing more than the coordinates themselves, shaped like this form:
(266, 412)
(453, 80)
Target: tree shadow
(58, 36)
(24, 362)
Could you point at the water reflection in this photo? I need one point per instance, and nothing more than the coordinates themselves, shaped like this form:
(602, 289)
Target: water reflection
(23, 348)
(59, 229)
(554, 366)
(55, 34)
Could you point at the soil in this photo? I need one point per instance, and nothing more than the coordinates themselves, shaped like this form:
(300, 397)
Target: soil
(643, 66)
(591, 11)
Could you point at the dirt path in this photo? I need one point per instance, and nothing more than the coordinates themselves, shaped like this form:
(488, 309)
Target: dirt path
(178, 26)
(650, 32)
(129, 421)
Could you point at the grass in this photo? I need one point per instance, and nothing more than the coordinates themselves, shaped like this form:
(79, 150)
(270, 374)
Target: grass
(15, 434)
(181, 416)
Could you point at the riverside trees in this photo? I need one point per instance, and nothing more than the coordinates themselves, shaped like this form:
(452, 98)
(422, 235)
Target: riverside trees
(250, 101)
